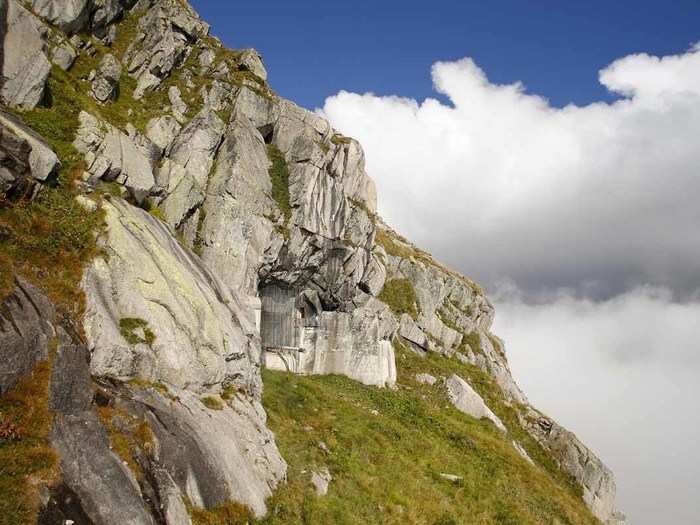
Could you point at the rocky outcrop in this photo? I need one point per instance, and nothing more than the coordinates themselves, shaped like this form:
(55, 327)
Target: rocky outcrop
(25, 65)
(69, 16)
(106, 79)
(466, 400)
(168, 31)
(156, 314)
(596, 479)
(112, 156)
(26, 332)
(25, 158)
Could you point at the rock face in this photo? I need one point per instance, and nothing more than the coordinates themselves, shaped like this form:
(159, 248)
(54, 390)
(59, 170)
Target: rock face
(25, 66)
(25, 159)
(597, 480)
(465, 399)
(68, 15)
(104, 86)
(262, 248)
(111, 155)
(25, 332)
(156, 314)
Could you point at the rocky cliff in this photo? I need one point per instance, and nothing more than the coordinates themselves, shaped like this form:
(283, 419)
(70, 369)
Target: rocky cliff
(229, 230)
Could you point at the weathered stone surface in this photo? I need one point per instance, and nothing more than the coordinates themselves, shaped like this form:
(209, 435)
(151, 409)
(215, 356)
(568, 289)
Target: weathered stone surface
(25, 66)
(203, 336)
(426, 379)
(68, 15)
(466, 400)
(235, 233)
(107, 490)
(214, 456)
(104, 12)
(168, 30)
(162, 131)
(596, 479)
(185, 171)
(250, 60)
(179, 106)
(26, 330)
(105, 85)
(174, 509)
(64, 56)
(321, 480)
(111, 155)
(409, 330)
(24, 157)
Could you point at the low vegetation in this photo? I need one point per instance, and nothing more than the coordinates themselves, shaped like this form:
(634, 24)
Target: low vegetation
(228, 514)
(400, 296)
(26, 460)
(129, 437)
(50, 239)
(136, 331)
(212, 403)
(279, 176)
(386, 451)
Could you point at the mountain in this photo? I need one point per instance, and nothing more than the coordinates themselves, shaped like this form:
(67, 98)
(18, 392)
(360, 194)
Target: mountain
(183, 254)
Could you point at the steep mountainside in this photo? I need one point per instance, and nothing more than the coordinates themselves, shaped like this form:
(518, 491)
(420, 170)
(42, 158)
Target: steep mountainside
(169, 227)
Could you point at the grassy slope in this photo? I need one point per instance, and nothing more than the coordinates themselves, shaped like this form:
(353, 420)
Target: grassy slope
(388, 448)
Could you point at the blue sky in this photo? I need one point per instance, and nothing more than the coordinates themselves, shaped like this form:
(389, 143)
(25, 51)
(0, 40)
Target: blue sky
(313, 49)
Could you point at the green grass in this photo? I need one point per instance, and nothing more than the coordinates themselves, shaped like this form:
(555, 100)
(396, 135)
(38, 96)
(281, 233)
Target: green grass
(279, 176)
(129, 327)
(212, 403)
(340, 140)
(49, 240)
(26, 460)
(387, 450)
(400, 296)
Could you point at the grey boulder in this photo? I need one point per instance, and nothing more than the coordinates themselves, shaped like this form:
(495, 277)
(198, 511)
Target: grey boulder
(69, 16)
(466, 400)
(105, 84)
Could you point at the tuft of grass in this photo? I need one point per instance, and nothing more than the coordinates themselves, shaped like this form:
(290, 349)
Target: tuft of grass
(145, 384)
(400, 296)
(129, 437)
(279, 176)
(230, 513)
(26, 460)
(129, 328)
(229, 392)
(212, 403)
(387, 449)
(340, 140)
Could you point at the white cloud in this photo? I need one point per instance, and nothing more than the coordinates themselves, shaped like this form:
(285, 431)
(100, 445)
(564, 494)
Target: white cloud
(505, 185)
(623, 374)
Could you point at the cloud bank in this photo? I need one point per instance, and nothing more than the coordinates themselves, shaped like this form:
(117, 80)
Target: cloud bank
(623, 374)
(600, 198)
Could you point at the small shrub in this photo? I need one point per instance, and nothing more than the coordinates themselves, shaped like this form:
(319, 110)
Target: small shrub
(213, 403)
(279, 176)
(26, 459)
(400, 296)
(129, 328)
(340, 140)
(230, 513)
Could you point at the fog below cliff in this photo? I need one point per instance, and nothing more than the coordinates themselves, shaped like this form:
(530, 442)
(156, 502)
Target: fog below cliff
(582, 222)
(623, 375)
